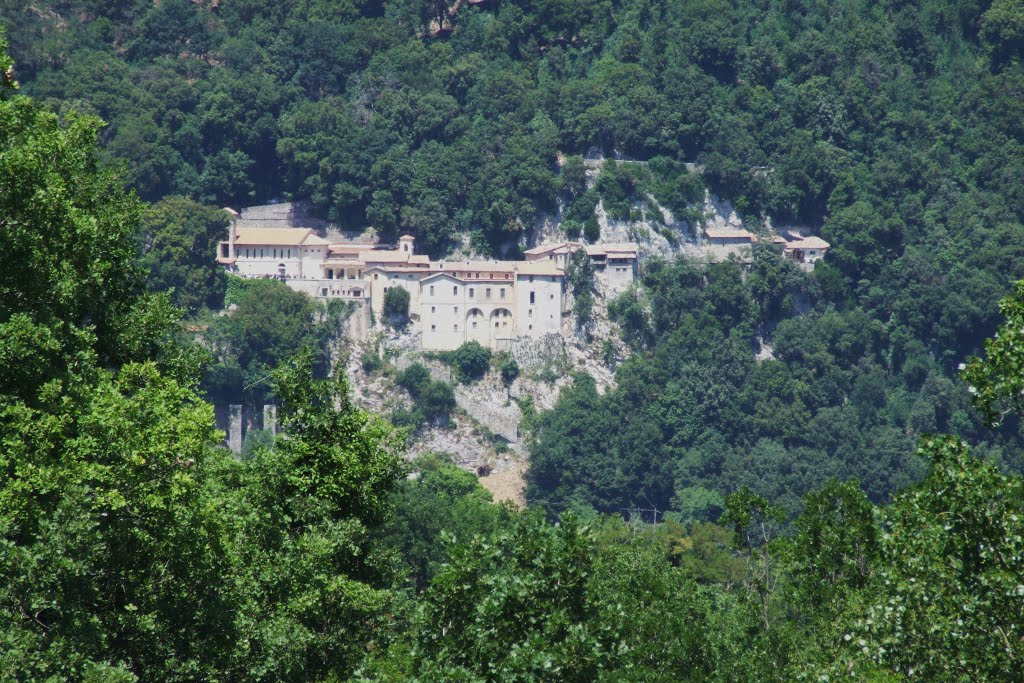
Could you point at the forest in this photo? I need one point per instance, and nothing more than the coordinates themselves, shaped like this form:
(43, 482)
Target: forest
(798, 476)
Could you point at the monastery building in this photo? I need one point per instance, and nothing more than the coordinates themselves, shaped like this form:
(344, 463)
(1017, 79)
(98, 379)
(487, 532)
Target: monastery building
(491, 302)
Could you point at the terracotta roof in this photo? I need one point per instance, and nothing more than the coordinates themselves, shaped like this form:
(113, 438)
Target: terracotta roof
(401, 269)
(728, 233)
(537, 268)
(349, 248)
(406, 237)
(476, 266)
(288, 237)
(384, 256)
(614, 248)
(231, 211)
(225, 261)
(810, 242)
(545, 248)
(419, 258)
(315, 240)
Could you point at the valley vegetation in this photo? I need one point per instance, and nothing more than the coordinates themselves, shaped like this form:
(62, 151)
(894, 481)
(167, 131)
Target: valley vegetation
(765, 495)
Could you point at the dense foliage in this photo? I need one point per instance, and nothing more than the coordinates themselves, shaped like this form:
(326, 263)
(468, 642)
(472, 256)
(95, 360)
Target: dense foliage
(695, 415)
(268, 324)
(133, 547)
(433, 400)
(898, 122)
(178, 238)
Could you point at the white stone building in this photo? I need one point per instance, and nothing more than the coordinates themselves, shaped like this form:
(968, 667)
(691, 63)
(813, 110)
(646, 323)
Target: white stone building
(492, 302)
(729, 241)
(614, 264)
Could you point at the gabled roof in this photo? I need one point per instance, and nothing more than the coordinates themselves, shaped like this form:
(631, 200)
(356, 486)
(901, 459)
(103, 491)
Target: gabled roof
(809, 242)
(315, 240)
(349, 250)
(384, 256)
(616, 249)
(440, 273)
(537, 268)
(554, 246)
(728, 233)
(275, 237)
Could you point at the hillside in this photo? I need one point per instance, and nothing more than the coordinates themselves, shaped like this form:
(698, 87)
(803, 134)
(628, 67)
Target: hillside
(740, 470)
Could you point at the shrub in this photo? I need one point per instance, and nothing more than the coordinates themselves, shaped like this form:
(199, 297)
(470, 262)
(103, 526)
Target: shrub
(372, 362)
(592, 229)
(470, 361)
(509, 369)
(436, 400)
(414, 379)
(396, 305)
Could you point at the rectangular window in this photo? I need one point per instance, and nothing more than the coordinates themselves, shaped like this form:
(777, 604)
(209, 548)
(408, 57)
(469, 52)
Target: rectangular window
(261, 253)
(531, 278)
(323, 291)
(530, 313)
(487, 293)
(456, 328)
(552, 297)
(533, 297)
(456, 309)
(433, 309)
(375, 276)
(474, 324)
(472, 292)
(531, 327)
(433, 328)
(455, 289)
(501, 293)
(431, 289)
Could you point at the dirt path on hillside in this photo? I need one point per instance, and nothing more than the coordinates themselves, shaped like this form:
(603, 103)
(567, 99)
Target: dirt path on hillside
(507, 485)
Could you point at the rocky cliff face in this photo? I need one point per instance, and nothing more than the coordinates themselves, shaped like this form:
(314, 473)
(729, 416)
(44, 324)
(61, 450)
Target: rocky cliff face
(486, 433)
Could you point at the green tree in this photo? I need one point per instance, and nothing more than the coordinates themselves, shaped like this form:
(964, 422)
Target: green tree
(307, 506)
(949, 575)
(442, 502)
(179, 242)
(270, 322)
(997, 382)
(396, 305)
(471, 361)
(437, 401)
(112, 564)
(579, 277)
